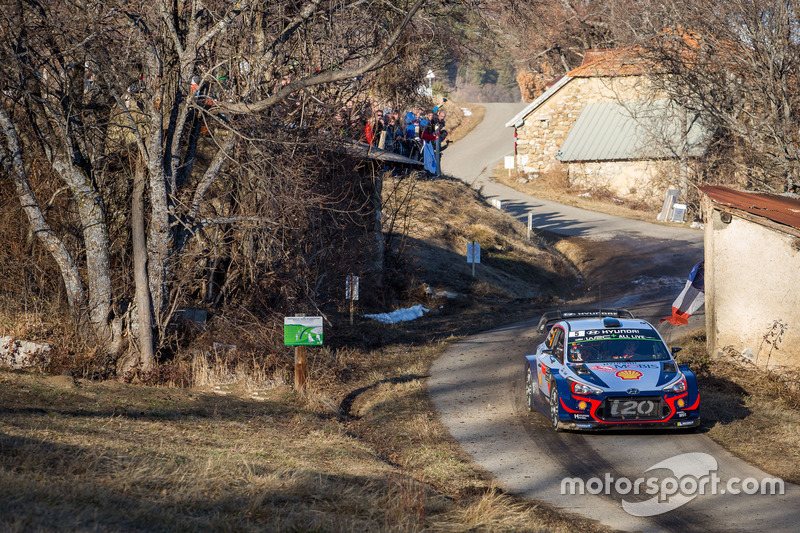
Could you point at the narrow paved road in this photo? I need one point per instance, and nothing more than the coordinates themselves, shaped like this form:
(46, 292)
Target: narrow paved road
(478, 390)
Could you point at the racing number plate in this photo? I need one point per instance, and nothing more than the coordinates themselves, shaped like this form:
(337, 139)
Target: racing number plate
(633, 408)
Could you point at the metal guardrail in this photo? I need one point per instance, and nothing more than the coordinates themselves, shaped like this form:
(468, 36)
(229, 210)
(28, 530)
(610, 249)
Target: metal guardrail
(555, 316)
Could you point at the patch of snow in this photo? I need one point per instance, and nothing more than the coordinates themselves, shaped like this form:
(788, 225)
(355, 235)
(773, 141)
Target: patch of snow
(445, 294)
(662, 281)
(696, 225)
(585, 195)
(467, 111)
(400, 315)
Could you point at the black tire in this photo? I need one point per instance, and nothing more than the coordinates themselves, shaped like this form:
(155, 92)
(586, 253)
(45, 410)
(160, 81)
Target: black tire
(531, 387)
(554, 405)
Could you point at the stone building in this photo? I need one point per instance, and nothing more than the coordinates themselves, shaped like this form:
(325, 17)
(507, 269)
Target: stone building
(752, 275)
(604, 126)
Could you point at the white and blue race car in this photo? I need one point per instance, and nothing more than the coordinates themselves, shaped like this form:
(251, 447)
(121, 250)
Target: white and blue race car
(606, 369)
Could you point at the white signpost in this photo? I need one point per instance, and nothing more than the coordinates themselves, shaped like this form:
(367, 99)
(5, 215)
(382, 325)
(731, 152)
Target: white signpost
(473, 254)
(351, 293)
(509, 164)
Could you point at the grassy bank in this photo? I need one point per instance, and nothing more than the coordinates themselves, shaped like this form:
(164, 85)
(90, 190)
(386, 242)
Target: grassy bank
(363, 450)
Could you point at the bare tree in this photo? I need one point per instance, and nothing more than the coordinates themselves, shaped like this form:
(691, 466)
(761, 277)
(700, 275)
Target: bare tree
(550, 38)
(735, 64)
(170, 98)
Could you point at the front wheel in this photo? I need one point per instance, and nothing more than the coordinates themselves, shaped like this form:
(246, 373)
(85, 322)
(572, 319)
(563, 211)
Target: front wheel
(554, 405)
(531, 388)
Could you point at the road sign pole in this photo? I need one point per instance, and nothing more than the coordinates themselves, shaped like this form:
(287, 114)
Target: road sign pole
(351, 303)
(473, 259)
(530, 224)
(300, 368)
(301, 331)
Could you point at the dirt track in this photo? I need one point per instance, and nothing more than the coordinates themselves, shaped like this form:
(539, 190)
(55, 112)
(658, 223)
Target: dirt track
(477, 384)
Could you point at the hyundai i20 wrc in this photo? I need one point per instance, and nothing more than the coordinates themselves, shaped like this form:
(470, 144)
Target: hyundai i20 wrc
(605, 369)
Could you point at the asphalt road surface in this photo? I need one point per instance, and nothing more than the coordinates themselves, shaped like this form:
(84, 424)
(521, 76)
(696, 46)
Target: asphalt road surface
(477, 385)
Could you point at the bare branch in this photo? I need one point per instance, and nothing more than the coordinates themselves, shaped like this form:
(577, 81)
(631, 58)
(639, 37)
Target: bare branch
(325, 77)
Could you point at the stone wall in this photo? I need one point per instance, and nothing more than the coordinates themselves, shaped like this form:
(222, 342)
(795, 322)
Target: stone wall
(643, 180)
(544, 130)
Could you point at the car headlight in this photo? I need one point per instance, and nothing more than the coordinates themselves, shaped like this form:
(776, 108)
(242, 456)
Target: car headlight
(580, 388)
(676, 386)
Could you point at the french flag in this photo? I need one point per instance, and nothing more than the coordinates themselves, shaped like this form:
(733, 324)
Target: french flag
(691, 298)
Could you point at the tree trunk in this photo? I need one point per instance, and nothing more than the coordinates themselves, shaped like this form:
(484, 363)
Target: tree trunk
(66, 264)
(143, 303)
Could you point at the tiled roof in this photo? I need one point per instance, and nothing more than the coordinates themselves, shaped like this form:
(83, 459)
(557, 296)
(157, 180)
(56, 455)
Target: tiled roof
(609, 63)
(782, 209)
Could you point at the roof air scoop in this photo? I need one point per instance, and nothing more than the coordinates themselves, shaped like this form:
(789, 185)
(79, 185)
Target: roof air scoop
(611, 322)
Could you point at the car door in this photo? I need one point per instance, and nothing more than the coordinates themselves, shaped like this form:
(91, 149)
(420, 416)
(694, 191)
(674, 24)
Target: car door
(550, 357)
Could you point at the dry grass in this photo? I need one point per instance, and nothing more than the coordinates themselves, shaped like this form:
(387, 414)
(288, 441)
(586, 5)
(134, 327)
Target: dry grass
(445, 216)
(363, 450)
(555, 187)
(73, 455)
(748, 410)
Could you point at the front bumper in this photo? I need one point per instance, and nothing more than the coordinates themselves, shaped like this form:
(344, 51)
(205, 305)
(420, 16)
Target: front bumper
(591, 425)
(674, 412)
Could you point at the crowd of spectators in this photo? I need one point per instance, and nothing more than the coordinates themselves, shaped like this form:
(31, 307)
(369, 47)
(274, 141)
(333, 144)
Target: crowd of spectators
(403, 133)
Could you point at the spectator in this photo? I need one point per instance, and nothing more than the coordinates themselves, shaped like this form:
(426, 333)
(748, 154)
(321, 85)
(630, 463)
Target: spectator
(425, 120)
(389, 134)
(368, 135)
(427, 128)
(377, 127)
(438, 122)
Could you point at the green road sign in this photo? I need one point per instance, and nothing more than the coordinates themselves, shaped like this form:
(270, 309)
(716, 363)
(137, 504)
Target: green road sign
(302, 331)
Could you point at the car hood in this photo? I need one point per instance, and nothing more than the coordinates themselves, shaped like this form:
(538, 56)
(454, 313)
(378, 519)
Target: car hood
(623, 376)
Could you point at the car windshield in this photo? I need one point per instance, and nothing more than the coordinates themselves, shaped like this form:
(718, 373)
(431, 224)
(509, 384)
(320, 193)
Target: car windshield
(611, 348)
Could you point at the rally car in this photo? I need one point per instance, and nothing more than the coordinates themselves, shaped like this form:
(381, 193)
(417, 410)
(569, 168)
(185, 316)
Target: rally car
(600, 369)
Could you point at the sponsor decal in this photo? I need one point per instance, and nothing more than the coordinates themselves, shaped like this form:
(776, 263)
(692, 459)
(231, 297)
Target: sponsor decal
(628, 374)
(615, 333)
(603, 368)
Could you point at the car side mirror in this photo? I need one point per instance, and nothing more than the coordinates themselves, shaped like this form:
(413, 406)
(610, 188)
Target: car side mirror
(676, 349)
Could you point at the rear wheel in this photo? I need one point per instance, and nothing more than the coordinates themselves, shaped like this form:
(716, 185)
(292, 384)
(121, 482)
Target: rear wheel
(531, 387)
(554, 400)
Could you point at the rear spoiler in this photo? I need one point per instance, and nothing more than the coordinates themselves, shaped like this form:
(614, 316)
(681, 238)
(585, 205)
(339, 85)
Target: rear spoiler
(555, 316)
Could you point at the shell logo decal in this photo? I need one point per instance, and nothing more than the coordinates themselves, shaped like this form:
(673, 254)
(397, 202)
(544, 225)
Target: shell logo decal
(628, 374)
